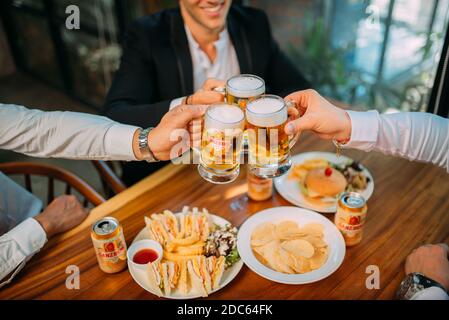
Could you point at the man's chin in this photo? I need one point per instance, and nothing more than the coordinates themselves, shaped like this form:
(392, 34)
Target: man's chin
(215, 25)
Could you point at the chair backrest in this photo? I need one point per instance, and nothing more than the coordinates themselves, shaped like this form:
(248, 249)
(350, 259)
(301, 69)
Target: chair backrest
(28, 169)
(112, 184)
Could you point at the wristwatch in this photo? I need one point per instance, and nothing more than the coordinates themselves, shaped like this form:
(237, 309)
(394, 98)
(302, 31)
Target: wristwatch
(413, 283)
(144, 148)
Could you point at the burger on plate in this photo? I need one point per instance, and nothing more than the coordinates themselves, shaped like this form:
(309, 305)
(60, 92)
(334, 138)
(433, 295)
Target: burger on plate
(322, 186)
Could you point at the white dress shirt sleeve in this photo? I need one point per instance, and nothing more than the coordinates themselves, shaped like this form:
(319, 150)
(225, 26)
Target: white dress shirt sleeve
(69, 135)
(18, 246)
(176, 102)
(432, 293)
(416, 136)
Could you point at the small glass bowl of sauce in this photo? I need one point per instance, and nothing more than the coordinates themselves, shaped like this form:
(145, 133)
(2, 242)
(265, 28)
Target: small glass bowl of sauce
(143, 252)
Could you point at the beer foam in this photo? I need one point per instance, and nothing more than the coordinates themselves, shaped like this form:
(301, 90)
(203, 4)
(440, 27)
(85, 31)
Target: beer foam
(266, 112)
(222, 116)
(245, 86)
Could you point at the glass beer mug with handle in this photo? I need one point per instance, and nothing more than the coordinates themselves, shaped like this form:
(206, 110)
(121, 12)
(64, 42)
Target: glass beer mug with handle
(221, 143)
(269, 145)
(244, 88)
(240, 90)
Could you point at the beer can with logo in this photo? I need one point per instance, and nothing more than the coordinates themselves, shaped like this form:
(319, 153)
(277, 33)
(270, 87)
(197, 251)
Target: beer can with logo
(109, 244)
(351, 216)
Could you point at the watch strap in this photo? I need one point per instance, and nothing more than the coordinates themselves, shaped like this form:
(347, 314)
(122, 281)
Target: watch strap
(413, 283)
(144, 147)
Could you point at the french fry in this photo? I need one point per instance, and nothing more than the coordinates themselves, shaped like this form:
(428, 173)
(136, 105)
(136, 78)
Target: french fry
(315, 164)
(170, 247)
(186, 241)
(177, 257)
(190, 251)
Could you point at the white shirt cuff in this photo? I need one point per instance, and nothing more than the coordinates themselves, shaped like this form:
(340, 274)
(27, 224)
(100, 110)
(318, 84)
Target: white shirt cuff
(29, 235)
(119, 142)
(365, 129)
(176, 102)
(432, 293)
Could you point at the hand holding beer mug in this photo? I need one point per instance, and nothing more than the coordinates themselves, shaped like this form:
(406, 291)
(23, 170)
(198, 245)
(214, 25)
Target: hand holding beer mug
(269, 145)
(221, 143)
(207, 94)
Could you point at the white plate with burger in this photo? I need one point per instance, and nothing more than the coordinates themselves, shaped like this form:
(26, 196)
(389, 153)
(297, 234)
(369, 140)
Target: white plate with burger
(317, 178)
(291, 245)
(200, 254)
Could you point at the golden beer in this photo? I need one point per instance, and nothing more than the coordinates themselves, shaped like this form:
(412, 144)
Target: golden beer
(269, 145)
(221, 143)
(244, 88)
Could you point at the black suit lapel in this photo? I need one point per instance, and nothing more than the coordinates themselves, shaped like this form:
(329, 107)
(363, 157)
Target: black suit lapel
(181, 47)
(240, 41)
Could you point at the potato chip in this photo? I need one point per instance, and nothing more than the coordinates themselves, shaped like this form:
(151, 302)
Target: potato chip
(263, 234)
(287, 230)
(260, 257)
(314, 229)
(319, 258)
(285, 263)
(316, 242)
(299, 247)
(301, 264)
(287, 259)
(269, 252)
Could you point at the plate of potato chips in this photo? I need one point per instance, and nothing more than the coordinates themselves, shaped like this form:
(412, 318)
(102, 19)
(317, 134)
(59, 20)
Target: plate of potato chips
(291, 245)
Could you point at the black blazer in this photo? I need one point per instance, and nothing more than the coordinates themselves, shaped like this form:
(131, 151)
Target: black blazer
(156, 67)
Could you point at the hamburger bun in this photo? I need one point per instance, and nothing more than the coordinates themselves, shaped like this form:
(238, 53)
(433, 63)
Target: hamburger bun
(319, 184)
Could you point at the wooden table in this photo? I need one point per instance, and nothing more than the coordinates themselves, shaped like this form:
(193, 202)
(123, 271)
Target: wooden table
(409, 207)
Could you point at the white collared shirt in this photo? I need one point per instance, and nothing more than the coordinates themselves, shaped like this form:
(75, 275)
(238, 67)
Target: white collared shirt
(68, 135)
(36, 133)
(415, 136)
(225, 66)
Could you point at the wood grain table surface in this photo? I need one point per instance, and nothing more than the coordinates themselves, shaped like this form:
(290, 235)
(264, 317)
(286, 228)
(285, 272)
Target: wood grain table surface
(409, 207)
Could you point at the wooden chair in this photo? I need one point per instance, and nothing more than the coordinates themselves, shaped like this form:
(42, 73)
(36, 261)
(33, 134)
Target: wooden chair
(112, 184)
(28, 169)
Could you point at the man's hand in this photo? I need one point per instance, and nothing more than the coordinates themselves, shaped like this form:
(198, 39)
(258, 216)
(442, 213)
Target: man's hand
(207, 95)
(174, 122)
(431, 261)
(319, 116)
(62, 214)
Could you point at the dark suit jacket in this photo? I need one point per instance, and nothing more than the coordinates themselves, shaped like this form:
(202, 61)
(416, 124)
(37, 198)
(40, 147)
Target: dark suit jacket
(156, 68)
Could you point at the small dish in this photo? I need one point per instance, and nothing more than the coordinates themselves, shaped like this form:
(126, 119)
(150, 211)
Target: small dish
(144, 245)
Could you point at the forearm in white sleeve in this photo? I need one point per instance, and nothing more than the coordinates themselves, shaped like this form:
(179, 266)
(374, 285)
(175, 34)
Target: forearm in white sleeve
(415, 136)
(18, 246)
(432, 293)
(69, 135)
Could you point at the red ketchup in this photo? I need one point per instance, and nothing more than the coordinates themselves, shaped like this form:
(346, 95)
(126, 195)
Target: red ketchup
(145, 256)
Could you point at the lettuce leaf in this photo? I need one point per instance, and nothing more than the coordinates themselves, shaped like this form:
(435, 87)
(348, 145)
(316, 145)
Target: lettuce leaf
(232, 257)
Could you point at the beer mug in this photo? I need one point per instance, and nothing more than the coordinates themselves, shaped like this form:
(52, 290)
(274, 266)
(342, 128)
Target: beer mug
(269, 145)
(241, 89)
(221, 143)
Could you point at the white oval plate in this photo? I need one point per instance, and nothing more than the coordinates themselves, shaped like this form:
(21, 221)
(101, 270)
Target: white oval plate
(332, 236)
(290, 191)
(141, 278)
